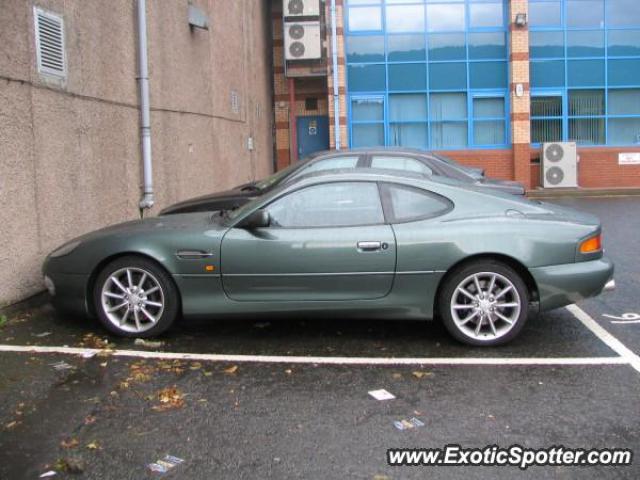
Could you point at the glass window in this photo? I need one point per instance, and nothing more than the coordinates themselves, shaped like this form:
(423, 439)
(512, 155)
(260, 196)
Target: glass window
(585, 73)
(485, 15)
(448, 106)
(546, 44)
(407, 76)
(366, 78)
(365, 18)
(546, 130)
(624, 43)
(445, 17)
(412, 135)
(367, 109)
(400, 163)
(586, 102)
(329, 205)
(544, 14)
(487, 45)
(624, 131)
(447, 46)
(543, 106)
(405, 48)
(448, 76)
(364, 2)
(488, 74)
(587, 131)
(488, 107)
(624, 72)
(365, 49)
(547, 73)
(409, 203)
(489, 132)
(585, 13)
(623, 13)
(367, 135)
(624, 102)
(448, 135)
(587, 43)
(408, 107)
(330, 164)
(405, 18)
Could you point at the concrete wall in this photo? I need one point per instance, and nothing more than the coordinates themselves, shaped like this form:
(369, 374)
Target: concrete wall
(69, 150)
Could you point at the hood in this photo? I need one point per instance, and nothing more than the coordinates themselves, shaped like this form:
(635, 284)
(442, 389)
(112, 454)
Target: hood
(226, 200)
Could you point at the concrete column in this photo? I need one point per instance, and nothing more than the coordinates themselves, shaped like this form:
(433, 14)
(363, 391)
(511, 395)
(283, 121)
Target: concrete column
(520, 94)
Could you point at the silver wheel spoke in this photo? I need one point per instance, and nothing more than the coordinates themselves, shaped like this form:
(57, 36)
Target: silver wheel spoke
(465, 293)
(478, 326)
(142, 279)
(492, 284)
(503, 318)
(477, 284)
(507, 305)
(148, 315)
(151, 290)
(153, 304)
(123, 320)
(129, 279)
(470, 317)
(117, 307)
(114, 295)
(492, 325)
(463, 307)
(118, 284)
(503, 291)
(136, 315)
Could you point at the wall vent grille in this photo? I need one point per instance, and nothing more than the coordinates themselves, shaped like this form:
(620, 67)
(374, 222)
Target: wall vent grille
(49, 30)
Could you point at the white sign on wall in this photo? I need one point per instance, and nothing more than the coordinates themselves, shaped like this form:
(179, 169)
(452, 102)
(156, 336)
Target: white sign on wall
(628, 158)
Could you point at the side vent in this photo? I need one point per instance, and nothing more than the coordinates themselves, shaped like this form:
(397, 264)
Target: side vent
(49, 29)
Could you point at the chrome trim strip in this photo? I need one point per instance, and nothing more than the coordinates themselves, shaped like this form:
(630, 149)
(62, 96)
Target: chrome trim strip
(189, 275)
(193, 254)
(328, 274)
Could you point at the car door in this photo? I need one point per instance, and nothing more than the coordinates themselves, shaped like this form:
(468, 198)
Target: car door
(326, 242)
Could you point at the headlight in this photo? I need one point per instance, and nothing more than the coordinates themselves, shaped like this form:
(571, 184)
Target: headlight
(65, 249)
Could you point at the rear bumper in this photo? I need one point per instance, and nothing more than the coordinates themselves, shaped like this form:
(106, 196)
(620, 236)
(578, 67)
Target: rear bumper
(561, 285)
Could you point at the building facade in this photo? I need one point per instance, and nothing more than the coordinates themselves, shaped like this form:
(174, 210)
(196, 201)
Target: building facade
(70, 152)
(483, 81)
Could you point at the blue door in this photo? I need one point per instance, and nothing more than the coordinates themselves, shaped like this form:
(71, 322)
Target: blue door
(313, 134)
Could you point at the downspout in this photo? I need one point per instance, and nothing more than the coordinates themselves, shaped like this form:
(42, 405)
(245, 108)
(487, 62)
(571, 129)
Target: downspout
(147, 199)
(336, 91)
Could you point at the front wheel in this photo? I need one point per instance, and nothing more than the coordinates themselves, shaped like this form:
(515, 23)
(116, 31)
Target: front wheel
(134, 297)
(485, 304)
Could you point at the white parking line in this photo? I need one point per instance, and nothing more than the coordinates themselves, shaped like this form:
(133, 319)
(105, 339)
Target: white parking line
(211, 357)
(612, 342)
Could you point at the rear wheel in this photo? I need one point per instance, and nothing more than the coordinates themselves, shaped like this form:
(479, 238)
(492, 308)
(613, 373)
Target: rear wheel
(134, 297)
(484, 303)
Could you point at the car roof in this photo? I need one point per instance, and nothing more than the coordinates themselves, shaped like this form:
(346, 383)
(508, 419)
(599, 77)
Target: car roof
(373, 150)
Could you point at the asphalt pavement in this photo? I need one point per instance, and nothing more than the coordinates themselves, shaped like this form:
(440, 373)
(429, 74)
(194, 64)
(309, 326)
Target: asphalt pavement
(262, 416)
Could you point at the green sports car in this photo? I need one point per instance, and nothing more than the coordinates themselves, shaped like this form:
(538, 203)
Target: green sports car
(370, 243)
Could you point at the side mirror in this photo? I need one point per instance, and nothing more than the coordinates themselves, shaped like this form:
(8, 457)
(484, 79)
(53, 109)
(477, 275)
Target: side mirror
(258, 219)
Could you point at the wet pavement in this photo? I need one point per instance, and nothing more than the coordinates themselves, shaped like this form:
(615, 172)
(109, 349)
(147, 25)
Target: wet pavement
(109, 417)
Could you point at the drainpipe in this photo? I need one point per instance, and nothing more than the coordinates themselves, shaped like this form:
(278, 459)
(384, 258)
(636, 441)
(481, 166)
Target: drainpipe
(147, 199)
(336, 91)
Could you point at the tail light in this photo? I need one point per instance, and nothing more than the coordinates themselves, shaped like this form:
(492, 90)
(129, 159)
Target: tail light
(592, 244)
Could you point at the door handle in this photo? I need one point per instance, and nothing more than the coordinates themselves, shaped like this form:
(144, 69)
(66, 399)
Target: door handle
(369, 246)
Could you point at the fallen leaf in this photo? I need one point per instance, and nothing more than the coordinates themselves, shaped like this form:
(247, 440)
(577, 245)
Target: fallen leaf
(195, 366)
(93, 445)
(419, 374)
(69, 443)
(169, 398)
(397, 376)
(69, 465)
(288, 371)
(207, 374)
(89, 419)
(231, 369)
(10, 425)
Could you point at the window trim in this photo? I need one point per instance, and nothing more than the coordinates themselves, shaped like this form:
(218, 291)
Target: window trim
(387, 202)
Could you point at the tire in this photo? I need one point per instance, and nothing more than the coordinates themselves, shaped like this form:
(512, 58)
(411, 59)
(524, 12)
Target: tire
(493, 307)
(149, 300)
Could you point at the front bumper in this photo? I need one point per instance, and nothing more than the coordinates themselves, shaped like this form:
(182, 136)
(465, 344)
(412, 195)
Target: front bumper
(68, 292)
(560, 285)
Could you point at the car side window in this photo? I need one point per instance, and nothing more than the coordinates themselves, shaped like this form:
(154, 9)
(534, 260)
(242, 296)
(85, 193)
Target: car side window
(406, 164)
(410, 203)
(339, 204)
(332, 163)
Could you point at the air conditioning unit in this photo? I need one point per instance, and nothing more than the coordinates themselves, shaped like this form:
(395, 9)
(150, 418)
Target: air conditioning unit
(559, 165)
(301, 8)
(302, 41)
